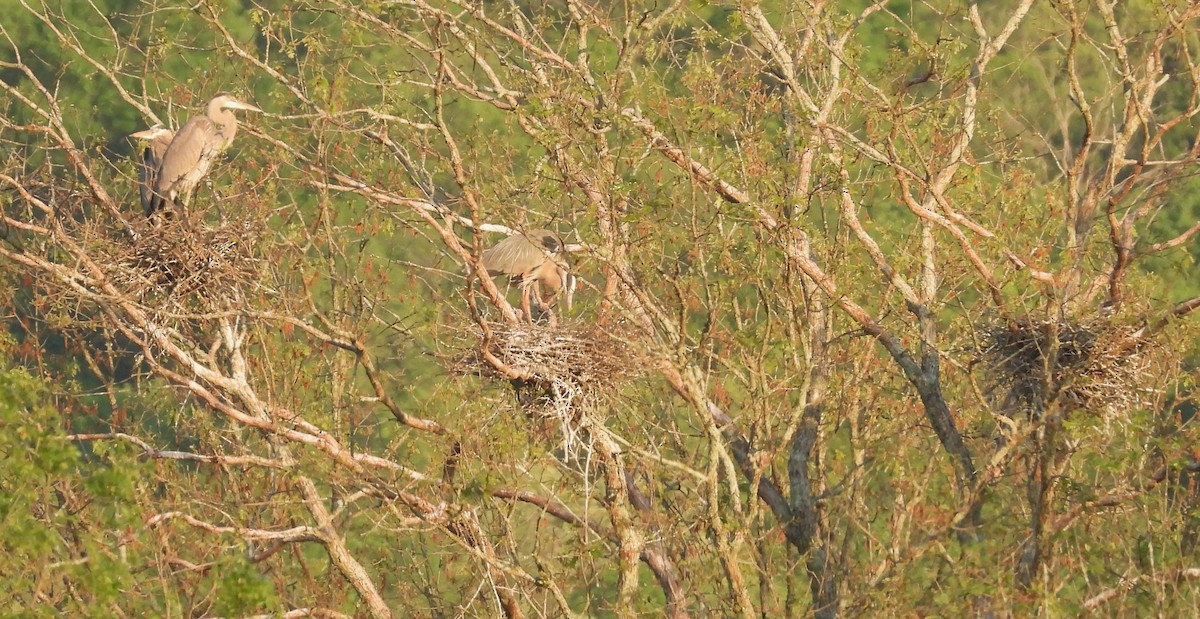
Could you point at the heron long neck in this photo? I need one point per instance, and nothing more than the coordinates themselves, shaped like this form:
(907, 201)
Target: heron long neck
(225, 121)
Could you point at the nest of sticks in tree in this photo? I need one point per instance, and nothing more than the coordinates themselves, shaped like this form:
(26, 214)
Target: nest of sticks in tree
(560, 374)
(180, 266)
(1091, 365)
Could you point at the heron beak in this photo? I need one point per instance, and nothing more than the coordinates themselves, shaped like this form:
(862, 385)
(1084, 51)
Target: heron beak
(148, 134)
(238, 105)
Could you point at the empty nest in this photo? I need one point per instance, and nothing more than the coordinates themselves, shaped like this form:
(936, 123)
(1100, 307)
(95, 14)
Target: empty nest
(1091, 365)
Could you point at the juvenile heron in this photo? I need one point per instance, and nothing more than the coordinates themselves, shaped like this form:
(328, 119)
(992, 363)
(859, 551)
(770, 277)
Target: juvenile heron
(532, 260)
(193, 150)
(157, 139)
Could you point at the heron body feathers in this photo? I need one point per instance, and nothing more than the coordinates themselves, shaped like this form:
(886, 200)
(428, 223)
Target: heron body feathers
(522, 252)
(188, 160)
(534, 260)
(191, 153)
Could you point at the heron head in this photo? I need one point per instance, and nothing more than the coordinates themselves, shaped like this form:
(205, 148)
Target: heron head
(226, 101)
(153, 133)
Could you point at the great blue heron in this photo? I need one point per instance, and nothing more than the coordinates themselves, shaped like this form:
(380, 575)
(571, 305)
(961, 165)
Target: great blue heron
(533, 259)
(157, 139)
(193, 150)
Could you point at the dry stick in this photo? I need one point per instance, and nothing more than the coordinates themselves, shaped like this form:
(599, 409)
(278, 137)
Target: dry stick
(1067, 519)
(528, 124)
(926, 385)
(346, 564)
(346, 341)
(1172, 243)
(654, 552)
(1082, 202)
(477, 542)
(214, 19)
(1186, 307)
(997, 467)
(461, 177)
(804, 432)
(554, 508)
(767, 490)
(352, 569)
(295, 534)
(152, 452)
(656, 560)
(104, 70)
(930, 390)
(630, 540)
(719, 466)
(923, 378)
(1107, 595)
(335, 545)
(656, 555)
(1137, 107)
(763, 31)
(803, 522)
(989, 48)
(696, 170)
(1138, 101)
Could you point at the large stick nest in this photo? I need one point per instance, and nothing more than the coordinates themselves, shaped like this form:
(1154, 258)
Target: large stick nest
(1093, 365)
(584, 358)
(559, 373)
(177, 266)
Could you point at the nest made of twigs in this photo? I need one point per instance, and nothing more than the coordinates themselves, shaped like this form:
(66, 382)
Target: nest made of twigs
(1094, 365)
(179, 266)
(560, 374)
(584, 358)
(584, 354)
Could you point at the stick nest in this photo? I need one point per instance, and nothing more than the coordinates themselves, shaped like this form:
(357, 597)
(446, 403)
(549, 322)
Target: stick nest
(560, 373)
(177, 267)
(1094, 365)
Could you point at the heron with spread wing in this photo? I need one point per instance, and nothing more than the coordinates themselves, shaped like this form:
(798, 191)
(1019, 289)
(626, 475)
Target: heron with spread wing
(533, 260)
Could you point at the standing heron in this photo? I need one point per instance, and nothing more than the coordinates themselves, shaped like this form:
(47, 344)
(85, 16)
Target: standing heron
(157, 139)
(193, 150)
(533, 260)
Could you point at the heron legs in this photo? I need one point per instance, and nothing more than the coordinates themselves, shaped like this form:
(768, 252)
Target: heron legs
(545, 307)
(531, 295)
(526, 291)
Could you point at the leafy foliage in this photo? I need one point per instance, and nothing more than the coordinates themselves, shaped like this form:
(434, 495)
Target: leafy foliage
(847, 269)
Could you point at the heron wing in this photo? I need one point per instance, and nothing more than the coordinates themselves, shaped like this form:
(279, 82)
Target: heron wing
(188, 157)
(152, 157)
(520, 253)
